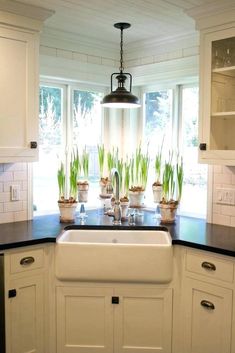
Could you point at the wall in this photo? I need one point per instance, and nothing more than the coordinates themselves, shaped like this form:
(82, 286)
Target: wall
(223, 177)
(13, 174)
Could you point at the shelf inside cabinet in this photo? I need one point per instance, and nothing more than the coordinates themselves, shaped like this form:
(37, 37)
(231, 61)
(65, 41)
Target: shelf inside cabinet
(224, 114)
(226, 71)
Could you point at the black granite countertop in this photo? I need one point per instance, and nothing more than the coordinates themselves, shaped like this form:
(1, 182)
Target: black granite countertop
(192, 232)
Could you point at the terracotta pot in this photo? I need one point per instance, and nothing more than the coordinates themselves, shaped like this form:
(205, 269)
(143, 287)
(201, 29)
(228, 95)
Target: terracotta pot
(157, 193)
(136, 198)
(83, 188)
(67, 211)
(168, 212)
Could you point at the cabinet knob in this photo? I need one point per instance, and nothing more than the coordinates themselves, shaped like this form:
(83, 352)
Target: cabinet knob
(33, 144)
(27, 260)
(202, 146)
(12, 293)
(209, 266)
(115, 300)
(208, 305)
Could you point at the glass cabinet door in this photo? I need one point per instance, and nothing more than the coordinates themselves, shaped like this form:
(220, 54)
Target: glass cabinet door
(222, 112)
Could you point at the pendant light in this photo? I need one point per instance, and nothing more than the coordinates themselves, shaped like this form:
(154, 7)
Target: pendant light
(121, 97)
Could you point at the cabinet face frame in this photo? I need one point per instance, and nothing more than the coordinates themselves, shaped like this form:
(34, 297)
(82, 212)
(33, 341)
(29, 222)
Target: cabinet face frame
(210, 155)
(25, 132)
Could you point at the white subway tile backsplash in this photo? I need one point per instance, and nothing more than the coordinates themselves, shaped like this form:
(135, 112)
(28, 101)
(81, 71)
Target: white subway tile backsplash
(20, 175)
(224, 177)
(20, 216)
(5, 197)
(9, 167)
(12, 174)
(221, 219)
(6, 176)
(13, 206)
(6, 217)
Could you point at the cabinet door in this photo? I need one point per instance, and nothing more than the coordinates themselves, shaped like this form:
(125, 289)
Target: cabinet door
(207, 318)
(143, 320)
(19, 95)
(84, 320)
(217, 103)
(24, 315)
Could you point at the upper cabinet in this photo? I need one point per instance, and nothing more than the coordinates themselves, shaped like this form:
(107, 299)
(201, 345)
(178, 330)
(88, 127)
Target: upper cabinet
(19, 82)
(217, 98)
(217, 82)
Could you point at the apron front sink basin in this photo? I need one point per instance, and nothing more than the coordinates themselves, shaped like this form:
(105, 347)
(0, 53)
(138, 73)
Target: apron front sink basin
(114, 255)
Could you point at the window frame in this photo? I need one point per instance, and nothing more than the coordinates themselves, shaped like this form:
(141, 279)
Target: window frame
(67, 88)
(177, 125)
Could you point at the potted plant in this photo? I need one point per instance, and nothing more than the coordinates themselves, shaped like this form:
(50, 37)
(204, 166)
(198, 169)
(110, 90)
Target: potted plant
(83, 185)
(67, 206)
(103, 180)
(139, 176)
(157, 185)
(172, 189)
(124, 171)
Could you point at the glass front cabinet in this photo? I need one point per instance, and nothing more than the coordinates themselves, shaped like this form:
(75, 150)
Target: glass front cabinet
(217, 97)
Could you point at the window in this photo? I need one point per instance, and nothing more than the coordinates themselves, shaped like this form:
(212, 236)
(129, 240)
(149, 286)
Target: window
(160, 118)
(62, 125)
(194, 197)
(158, 130)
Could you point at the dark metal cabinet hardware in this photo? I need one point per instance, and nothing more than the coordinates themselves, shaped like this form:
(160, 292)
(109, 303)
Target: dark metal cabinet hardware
(202, 147)
(115, 300)
(27, 260)
(208, 305)
(33, 144)
(12, 293)
(209, 266)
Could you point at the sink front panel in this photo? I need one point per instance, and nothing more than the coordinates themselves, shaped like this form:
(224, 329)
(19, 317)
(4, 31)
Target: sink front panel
(112, 259)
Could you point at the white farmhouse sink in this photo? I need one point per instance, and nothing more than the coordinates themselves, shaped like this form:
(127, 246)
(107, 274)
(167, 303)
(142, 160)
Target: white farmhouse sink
(114, 255)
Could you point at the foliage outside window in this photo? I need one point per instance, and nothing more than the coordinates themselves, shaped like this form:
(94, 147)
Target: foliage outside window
(58, 134)
(159, 120)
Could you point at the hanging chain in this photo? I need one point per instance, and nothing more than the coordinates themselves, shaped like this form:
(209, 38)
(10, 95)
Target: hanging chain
(121, 68)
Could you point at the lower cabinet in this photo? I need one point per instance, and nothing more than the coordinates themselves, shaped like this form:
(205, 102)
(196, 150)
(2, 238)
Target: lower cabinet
(26, 300)
(114, 319)
(25, 315)
(207, 319)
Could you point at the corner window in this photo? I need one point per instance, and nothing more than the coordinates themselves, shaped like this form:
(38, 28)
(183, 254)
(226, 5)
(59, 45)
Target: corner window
(171, 117)
(64, 123)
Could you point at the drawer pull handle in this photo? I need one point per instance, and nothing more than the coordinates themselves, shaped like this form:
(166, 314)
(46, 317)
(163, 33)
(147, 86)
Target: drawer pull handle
(208, 305)
(27, 260)
(208, 266)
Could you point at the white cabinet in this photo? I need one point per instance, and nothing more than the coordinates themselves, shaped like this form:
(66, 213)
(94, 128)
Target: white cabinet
(208, 318)
(25, 300)
(119, 319)
(19, 95)
(207, 303)
(217, 91)
(143, 320)
(26, 315)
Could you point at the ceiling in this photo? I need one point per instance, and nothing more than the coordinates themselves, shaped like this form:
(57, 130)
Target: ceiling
(94, 19)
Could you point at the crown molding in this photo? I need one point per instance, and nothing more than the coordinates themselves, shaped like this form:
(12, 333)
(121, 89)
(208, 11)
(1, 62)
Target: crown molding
(213, 14)
(18, 8)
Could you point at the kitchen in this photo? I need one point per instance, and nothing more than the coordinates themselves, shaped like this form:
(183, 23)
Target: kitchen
(89, 62)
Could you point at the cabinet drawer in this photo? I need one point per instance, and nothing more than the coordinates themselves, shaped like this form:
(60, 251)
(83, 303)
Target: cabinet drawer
(209, 266)
(26, 261)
